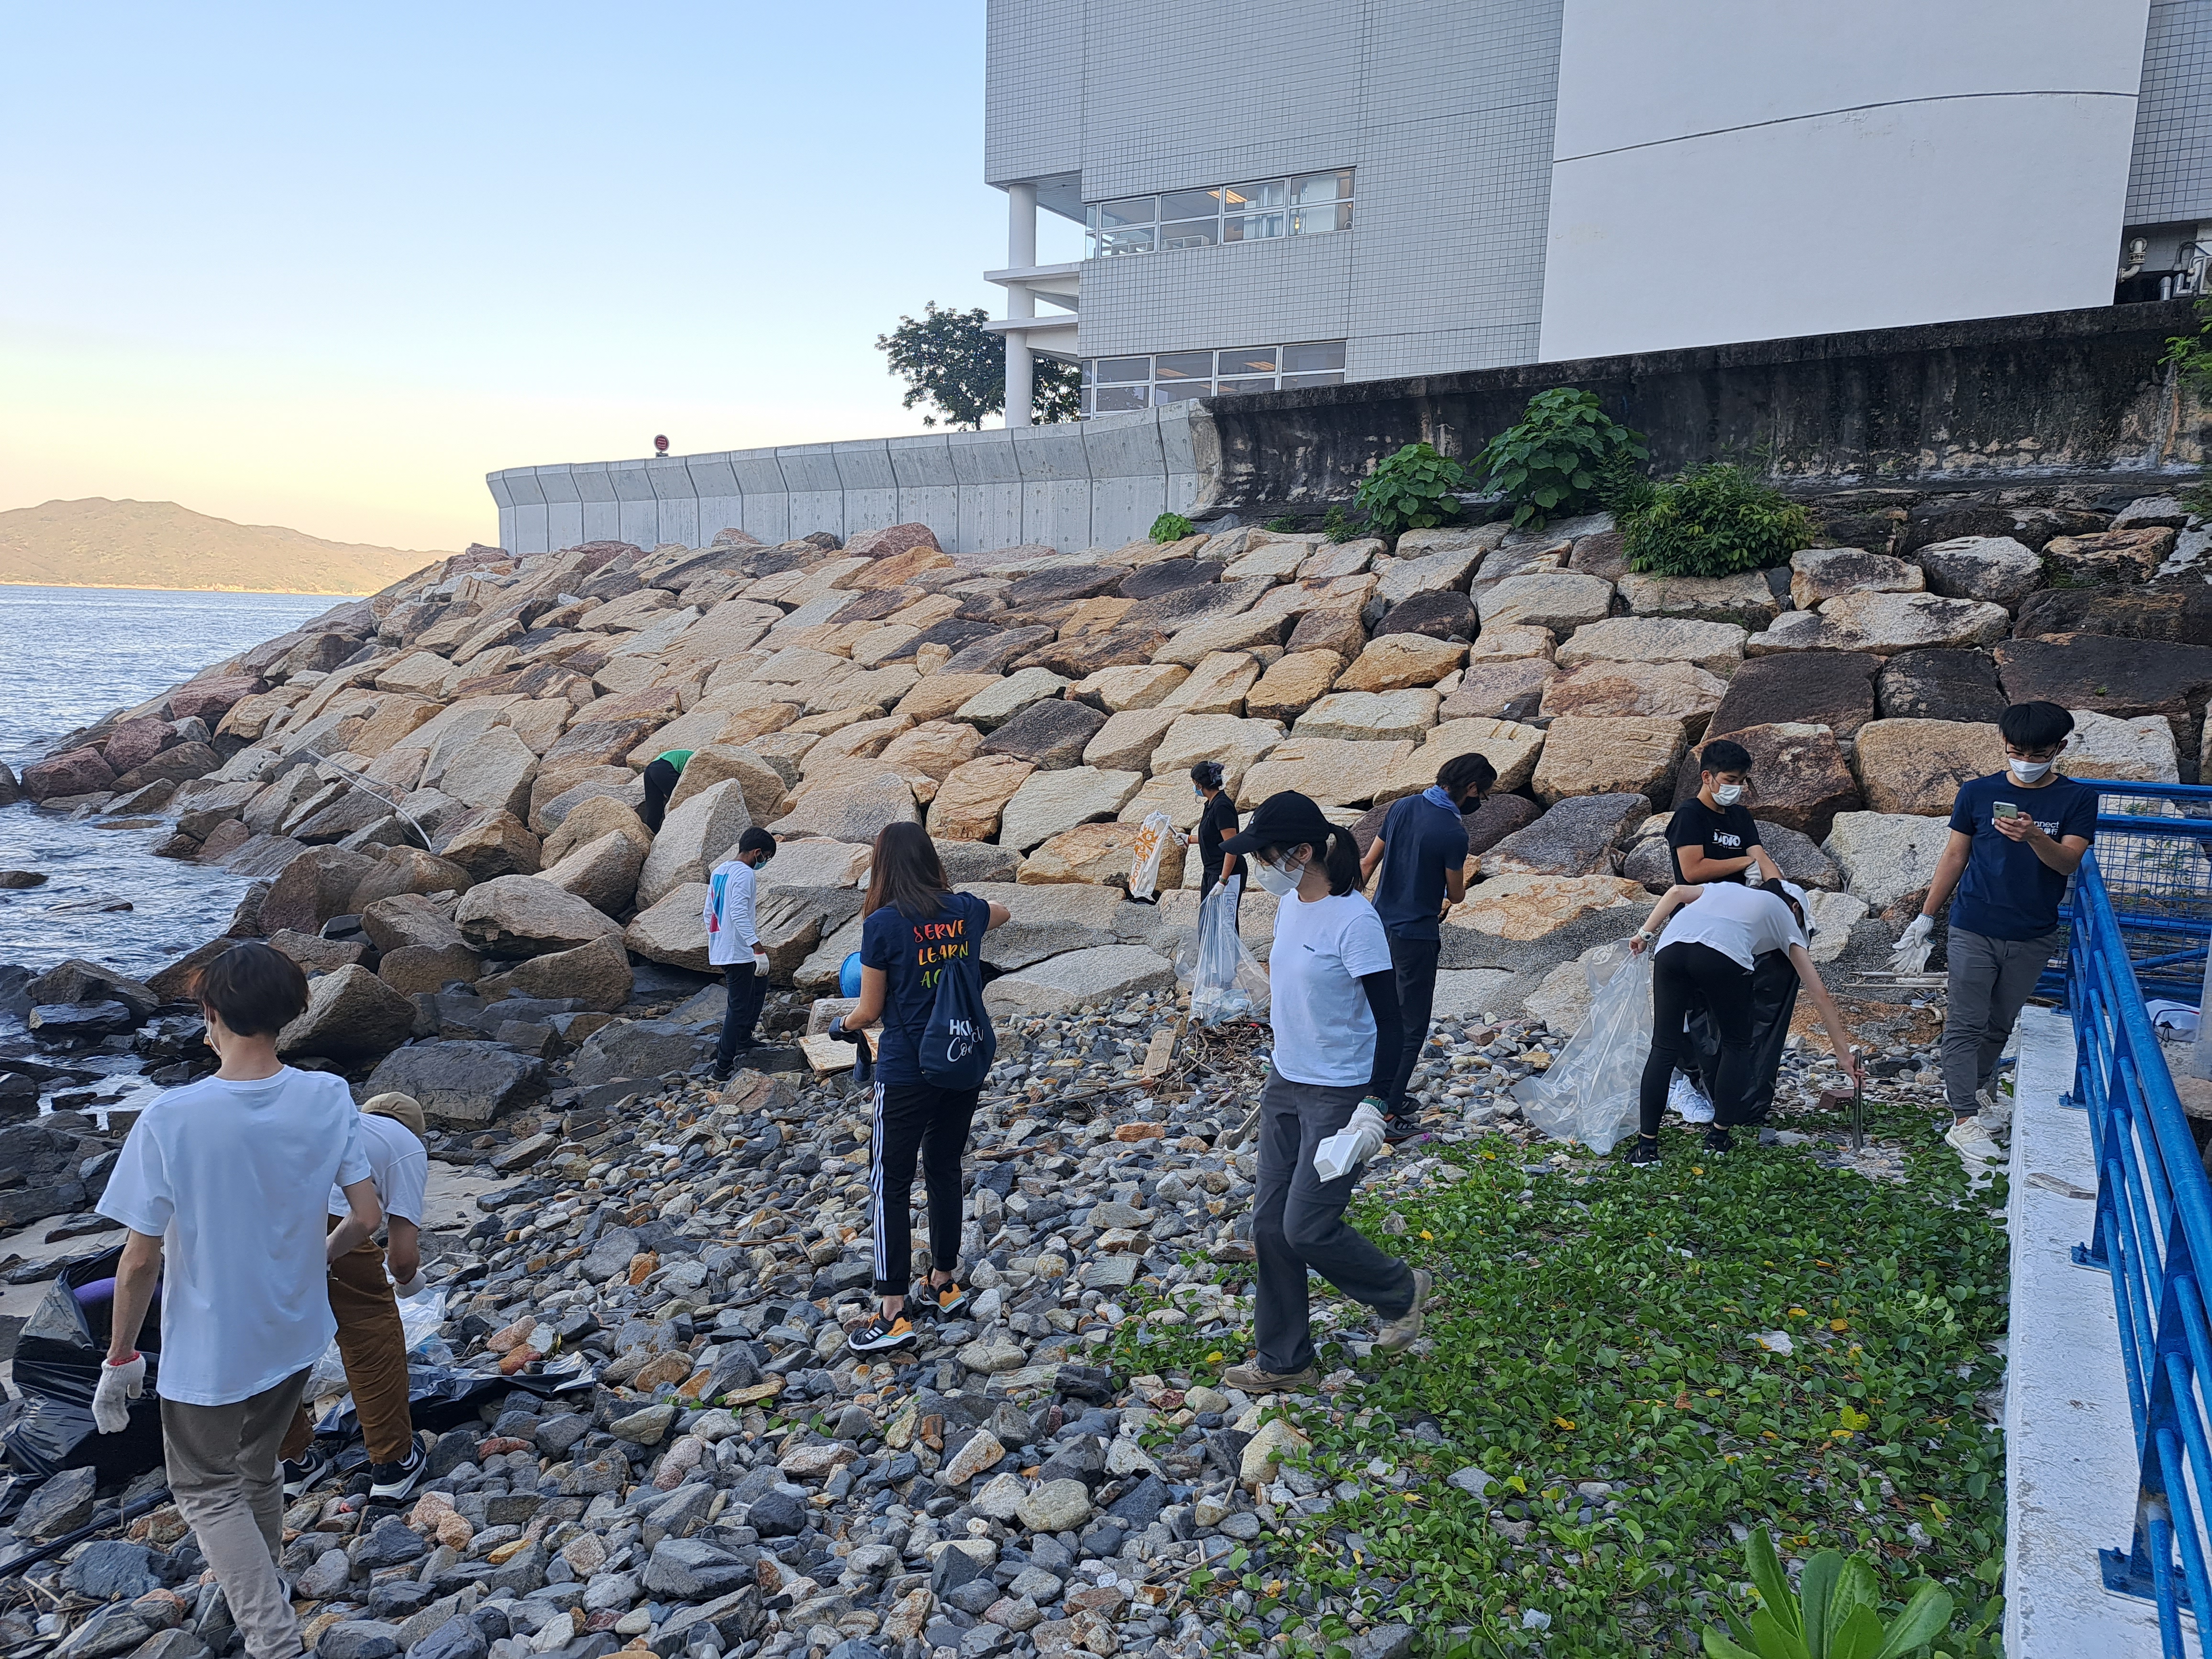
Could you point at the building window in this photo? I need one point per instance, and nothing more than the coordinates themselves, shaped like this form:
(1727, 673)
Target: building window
(1111, 384)
(1303, 204)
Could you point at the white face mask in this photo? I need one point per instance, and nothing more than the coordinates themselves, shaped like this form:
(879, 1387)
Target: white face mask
(2029, 771)
(1728, 794)
(1280, 879)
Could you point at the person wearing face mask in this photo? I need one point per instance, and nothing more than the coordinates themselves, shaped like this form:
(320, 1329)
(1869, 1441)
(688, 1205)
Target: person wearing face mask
(2015, 837)
(1421, 850)
(1217, 822)
(1711, 834)
(1333, 1008)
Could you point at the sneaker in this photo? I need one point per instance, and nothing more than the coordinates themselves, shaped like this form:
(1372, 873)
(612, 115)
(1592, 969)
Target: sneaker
(1250, 1379)
(389, 1483)
(1685, 1097)
(1398, 1129)
(1401, 1333)
(948, 1298)
(1644, 1152)
(883, 1331)
(721, 1073)
(1718, 1142)
(301, 1473)
(1974, 1145)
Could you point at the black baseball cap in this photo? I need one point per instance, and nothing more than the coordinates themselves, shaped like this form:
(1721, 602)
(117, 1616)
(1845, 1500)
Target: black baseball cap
(1288, 819)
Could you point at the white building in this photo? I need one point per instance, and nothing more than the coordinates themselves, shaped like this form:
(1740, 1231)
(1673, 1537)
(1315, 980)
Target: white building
(1307, 192)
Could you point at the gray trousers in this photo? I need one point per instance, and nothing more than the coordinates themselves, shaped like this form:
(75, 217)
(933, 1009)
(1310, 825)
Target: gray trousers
(223, 1474)
(1989, 982)
(1297, 1222)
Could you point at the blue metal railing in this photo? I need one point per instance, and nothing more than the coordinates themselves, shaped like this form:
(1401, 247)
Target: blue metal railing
(2143, 901)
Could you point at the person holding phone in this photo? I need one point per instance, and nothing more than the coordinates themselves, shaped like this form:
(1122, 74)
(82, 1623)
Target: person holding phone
(2016, 836)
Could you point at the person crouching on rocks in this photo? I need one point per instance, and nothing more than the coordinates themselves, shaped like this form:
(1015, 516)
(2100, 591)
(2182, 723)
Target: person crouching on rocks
(1334, 1001)
(914, 932)
(1706, 954)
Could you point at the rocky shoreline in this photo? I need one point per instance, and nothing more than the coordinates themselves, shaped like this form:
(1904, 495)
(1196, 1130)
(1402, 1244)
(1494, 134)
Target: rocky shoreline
(436, 789)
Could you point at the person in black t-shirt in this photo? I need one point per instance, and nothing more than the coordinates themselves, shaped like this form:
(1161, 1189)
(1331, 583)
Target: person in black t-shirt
(1217, 822)
(1711, 834)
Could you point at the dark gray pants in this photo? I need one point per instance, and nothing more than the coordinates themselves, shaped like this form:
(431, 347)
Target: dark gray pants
(1989, 982)
(1297, 1222)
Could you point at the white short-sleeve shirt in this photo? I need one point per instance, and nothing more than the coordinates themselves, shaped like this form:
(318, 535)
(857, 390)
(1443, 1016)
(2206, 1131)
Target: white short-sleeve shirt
(1741, 922)
(1324, 1030)
(231, 1177)
(398, 1163)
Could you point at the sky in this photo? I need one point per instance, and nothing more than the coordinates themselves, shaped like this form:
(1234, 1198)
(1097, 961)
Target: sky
(326, 267)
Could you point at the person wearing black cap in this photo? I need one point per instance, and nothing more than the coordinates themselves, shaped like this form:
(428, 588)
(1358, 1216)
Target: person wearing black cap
(1337, 1027)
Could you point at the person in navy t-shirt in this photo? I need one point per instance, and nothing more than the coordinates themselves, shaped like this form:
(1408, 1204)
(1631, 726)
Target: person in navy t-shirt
(1422, 849)
(2016, 836)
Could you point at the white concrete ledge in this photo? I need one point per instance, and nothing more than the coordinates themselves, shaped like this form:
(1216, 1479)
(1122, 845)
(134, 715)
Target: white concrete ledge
(2070, 1440)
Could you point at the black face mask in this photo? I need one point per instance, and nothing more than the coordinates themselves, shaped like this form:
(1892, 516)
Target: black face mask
(1471, 805)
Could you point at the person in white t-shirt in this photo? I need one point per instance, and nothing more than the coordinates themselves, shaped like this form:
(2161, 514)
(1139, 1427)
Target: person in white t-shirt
(1333, 1008)
(734, 945)
(221, 1184)
(1714, 935)
(372, 1340)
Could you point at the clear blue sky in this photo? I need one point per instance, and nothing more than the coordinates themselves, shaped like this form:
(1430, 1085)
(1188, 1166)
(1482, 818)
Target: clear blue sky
(326, 267)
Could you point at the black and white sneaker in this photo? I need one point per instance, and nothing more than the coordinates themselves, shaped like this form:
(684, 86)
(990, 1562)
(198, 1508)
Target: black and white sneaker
(1644, 1152)
(301, 1473)
(1400, 1128)
(1718, 1142)
(881, 1332)
(948, 1298)
(390, 1482)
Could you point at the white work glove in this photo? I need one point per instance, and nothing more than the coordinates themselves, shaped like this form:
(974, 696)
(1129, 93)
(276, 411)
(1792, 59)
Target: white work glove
(413, 1287)
(1352, 1146)
(118, 1386)
(1910, 956)
(760, 963)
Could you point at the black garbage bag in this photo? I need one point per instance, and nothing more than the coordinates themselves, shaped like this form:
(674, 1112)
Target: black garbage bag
(440, 1397)
(57, 1367)
(1773, 1003)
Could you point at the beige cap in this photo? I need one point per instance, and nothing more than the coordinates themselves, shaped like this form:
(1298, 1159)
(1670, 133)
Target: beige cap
(405, 1108)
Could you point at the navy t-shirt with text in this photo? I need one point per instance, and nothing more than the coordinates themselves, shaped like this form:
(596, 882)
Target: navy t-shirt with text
(912, 955)
(2007, 891)
(1420, 841)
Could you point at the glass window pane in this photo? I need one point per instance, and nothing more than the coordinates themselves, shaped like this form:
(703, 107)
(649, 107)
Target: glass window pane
(1333, 379)
(1085, 405)
(1309, 188)
(1125, 241)
(1089, 370)
(1252, 228)
(1311, 221)
(1110, 400)
(1248, 360)
(1261, 383)
(1268, 193)
(1190, 204)
(1175, 391)
(1137, 210)
(1316, 354)
(1189, 233)
(1183, 366)
(1111, 369)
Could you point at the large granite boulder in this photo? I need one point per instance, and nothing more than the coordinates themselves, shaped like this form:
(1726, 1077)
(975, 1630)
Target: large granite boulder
(1628, 755)
(464, 1083)
(596, 975)
(2140, 750)
(1511, 749)
(674, 931)
(1404, 576)
(2110, 555)
(1821, 573)
(1799, 778)
(1715, 646)
(762, 785)
(2179, 613)
(1217, 686)
(1918, 765)
(694, 838)
(1078, 656)
(1521, 907)
(1744, 598)
(1358, 716)
(603, 873)
(926, 753)
(528, 916)
(1396, 662)
(1884, 623)
(1582, 836)
(1079, 979)
(312, 888)
(1511, 690)
(409, 919)
(1834, 689)
(970, 797)
(495, 770)
(1238, 744)
(1432, 613)
(2122, 678)
(1995, 570)
(1885, 857)
(1001, 701)
(600, 815)
(1557, 599)
(1048, 803)
(1050, 734)
(489, 842)
(642, 1050)
(1936, 685)
(1101, 855)
(1610, 690)
(352, 1015)
(1339, 631)
(1127, 740)
(854, 808)
(406, 870)
(1141, 685)
(1294, 682)
(1332, 772)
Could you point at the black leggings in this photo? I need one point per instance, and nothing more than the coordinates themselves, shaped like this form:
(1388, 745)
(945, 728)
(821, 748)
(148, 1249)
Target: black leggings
(660, 778)
(915, 1118)
(1685, 976)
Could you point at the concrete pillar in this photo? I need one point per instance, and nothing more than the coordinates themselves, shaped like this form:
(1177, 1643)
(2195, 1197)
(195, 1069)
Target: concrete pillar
(1021, 302)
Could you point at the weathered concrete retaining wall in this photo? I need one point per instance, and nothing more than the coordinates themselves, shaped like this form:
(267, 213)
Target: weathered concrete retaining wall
(2062, 392)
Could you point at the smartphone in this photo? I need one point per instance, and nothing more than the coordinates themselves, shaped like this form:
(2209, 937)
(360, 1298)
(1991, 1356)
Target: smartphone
(2003, 809)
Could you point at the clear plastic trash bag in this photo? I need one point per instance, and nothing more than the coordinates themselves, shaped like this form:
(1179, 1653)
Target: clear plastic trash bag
(1589, 1093)
(420, 1318)
(1145, 860)
(1227, 980)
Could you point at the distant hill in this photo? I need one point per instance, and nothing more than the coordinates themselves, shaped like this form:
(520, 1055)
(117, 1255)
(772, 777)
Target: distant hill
(103, 543)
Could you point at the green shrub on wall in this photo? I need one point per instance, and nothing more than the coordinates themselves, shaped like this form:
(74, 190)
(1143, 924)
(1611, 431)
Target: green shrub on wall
(1713, 520)
(1170, 527)
(1556, 459)
(1411, 490)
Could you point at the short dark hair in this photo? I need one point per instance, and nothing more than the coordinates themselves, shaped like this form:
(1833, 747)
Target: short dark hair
(2035, 726)
(1722, 756)
(1207, 774)
(254, 988)
(756, 840)
(1464, 772)
(907, 873)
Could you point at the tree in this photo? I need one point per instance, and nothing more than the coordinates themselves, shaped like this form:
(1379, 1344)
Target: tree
(950, 360)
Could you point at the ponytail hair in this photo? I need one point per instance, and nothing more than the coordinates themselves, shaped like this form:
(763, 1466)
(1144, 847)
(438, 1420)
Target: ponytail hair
(1343, 862)
(1782, 893)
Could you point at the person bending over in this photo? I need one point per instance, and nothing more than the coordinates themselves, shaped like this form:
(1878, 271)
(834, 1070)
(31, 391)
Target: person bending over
(661, 775)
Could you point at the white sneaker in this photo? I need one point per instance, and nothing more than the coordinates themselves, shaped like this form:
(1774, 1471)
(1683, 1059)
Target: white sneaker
(1974, 1145)
(1685, 1097)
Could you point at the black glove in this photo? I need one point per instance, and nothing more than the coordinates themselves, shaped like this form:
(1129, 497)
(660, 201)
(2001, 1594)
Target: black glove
(837, 1030)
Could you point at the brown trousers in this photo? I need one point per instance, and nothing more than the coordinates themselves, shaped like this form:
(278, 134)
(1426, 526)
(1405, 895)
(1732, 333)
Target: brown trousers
(221, 1463)
(373, 1346)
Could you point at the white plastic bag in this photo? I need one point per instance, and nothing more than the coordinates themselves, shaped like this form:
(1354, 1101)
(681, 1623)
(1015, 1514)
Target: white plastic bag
(420, 1317)
(1227, 980)
(1338, 1155)
(1144, 862)
(1589, 1092)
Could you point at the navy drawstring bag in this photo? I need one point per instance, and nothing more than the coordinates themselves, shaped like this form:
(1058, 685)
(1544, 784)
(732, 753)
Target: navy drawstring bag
(958, 1045)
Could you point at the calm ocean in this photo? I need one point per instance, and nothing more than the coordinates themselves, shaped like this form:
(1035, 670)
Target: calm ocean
(69, 655)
